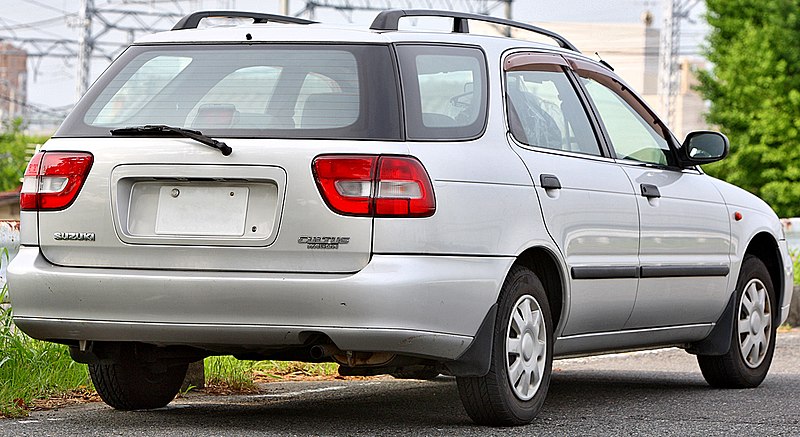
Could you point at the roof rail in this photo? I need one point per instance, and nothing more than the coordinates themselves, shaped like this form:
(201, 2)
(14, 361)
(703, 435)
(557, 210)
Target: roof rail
(388, 20)
(192, 20)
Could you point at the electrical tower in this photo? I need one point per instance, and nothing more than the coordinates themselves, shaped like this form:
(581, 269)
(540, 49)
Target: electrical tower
(105, 28)
(669, 71)
(95, 23)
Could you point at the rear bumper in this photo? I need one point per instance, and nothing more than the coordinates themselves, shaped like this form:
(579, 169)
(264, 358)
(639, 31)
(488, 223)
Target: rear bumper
(422, 305)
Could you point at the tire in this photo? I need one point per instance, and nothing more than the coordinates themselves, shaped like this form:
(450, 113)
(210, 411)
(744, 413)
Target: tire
(747, 361)
(133, 386)
(513, 391)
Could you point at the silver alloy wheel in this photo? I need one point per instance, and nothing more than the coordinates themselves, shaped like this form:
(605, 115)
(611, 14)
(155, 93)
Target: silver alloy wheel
(526, 347)
(755, 323)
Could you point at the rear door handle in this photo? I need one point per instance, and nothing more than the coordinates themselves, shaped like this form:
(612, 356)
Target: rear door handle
(650, 191)
(549, 182)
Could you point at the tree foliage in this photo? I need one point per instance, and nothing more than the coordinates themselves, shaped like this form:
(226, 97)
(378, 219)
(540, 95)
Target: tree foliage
(13, 154)
(754, 90)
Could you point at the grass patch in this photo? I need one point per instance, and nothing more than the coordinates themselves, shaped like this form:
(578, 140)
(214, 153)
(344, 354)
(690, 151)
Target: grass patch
(229, 373)
(32, 369)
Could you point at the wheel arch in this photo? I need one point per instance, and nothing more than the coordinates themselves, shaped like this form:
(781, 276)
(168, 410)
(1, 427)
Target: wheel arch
(544, 263)
(764, 246)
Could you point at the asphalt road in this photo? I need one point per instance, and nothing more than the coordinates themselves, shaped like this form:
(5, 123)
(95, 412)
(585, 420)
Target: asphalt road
(644, 393)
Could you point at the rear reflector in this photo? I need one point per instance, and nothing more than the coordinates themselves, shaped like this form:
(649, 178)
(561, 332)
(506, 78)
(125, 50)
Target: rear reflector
(53, 179)
(379, 186)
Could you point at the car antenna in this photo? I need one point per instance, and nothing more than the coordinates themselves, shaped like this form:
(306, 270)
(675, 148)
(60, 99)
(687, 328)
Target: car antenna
(604, 62)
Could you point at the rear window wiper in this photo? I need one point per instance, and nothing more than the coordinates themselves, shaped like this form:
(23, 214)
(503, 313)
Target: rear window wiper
(165, 130)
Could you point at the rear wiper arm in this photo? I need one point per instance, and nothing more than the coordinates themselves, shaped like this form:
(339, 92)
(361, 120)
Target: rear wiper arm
(150, 129)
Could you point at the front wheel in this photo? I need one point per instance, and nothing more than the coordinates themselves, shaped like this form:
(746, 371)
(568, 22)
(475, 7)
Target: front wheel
(747, 361)
(513, 391)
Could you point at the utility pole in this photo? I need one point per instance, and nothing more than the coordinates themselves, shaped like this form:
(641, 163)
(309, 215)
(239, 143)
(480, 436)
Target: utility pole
(668, 72)
(85, 45)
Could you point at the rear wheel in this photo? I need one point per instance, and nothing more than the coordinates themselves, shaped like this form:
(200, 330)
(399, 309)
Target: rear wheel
(513, 391)
(131, 385)
(747, 361)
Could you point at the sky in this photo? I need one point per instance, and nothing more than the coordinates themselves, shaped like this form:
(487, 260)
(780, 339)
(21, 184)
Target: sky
(52, 82)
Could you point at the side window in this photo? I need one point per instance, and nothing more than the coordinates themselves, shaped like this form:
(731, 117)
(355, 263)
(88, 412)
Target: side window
(544, 111)
(444, 88)
(632, 136)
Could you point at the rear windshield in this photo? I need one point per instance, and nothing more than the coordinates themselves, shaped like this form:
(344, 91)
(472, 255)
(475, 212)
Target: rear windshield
(257, 90)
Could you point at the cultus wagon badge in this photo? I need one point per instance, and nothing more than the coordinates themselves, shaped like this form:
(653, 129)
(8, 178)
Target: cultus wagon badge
(322, 242)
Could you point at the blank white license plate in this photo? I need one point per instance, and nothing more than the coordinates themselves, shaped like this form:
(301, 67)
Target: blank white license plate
(203, 211)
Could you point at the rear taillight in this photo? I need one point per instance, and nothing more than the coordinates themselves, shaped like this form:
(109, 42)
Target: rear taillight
(53, 180)
(380, 186)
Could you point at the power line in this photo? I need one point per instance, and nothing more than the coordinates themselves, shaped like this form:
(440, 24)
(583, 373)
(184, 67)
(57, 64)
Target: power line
(55, 48)
(34, 24)
(45, 5)
(33, 108)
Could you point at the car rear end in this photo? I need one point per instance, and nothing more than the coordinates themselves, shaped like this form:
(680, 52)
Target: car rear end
(165, 241)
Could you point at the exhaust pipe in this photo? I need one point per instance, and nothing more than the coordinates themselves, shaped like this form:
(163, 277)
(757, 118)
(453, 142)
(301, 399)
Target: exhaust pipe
(321, 351)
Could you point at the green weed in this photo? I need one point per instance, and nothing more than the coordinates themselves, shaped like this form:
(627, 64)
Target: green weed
(229, 372)
(239, 375)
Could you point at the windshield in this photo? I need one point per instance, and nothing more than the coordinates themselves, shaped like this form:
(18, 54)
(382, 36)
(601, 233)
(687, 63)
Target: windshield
(258, 90)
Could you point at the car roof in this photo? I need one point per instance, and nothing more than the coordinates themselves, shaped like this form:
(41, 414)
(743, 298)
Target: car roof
(270, 32)
(345, 34)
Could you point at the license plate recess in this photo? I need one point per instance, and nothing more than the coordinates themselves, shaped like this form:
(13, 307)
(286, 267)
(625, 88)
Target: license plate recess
(185, 210)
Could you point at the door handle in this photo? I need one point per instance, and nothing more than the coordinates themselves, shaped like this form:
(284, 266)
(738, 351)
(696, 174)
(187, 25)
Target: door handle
(549, 182)
(650, 191)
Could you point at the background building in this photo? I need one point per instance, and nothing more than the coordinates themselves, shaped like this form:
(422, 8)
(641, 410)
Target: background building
(13, 81)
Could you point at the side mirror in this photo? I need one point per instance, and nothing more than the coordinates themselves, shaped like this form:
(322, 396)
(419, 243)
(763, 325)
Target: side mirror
(704, 147)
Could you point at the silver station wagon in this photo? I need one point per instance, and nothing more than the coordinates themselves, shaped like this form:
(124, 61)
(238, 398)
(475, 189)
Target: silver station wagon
(405, 202)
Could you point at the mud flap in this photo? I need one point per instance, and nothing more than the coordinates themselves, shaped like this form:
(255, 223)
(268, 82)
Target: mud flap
(475, 361)
(718, 341)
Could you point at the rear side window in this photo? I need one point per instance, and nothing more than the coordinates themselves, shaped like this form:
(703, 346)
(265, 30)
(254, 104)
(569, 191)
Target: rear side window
(445, 91)
(259, 90)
